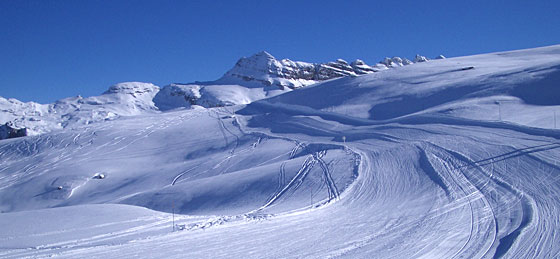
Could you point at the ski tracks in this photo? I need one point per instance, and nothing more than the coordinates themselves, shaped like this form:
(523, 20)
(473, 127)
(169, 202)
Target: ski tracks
(518, 199)
(487, 196)
(297, 180)
(481, 213)
(331, 186)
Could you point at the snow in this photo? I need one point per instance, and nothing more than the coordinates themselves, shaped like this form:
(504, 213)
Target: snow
(210, 95)
(430, 160)
(123, 99)
(252, 78)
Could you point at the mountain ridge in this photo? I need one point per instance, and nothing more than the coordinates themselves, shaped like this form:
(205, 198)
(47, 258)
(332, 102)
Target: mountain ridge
(251, 78)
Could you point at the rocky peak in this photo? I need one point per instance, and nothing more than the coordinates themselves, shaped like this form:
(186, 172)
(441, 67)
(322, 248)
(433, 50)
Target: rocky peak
(420, 58)
(360, 67)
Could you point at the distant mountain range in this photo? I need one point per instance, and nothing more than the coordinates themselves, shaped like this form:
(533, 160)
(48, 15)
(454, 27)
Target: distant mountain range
(252, 78)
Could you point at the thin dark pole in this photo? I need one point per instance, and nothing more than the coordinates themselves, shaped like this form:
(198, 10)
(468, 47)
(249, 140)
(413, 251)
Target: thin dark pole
(173, 212)
(554, 119)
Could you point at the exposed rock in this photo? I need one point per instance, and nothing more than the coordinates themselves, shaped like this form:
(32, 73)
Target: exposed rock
(330, 70)
(9, 131)
(361, 68)
(420, 58)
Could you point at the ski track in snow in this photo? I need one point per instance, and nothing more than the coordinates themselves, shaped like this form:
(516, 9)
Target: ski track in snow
(467, 184)
(333, 191)
(319, 185)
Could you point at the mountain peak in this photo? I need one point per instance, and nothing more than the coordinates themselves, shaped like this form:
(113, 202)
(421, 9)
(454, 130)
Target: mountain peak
(263, 53)
(419, 58)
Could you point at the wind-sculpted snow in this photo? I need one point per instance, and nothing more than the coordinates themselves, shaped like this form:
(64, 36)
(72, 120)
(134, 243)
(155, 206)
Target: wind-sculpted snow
(320, 172)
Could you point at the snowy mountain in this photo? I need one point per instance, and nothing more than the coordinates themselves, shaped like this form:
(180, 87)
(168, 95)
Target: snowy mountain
(124, 99)
(262, 76)
(263, 69)
(257, 77)
(449, 158)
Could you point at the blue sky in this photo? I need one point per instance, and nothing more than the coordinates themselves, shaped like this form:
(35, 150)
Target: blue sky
(55, 49)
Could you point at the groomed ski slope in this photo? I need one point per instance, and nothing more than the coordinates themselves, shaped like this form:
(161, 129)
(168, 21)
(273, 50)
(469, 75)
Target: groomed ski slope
(454, 158)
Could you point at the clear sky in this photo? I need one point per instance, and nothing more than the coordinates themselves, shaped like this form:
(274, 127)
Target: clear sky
(51, 49)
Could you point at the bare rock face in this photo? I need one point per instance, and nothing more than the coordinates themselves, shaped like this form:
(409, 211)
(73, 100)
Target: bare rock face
(330, 70)
(9, 131)
(361, 68)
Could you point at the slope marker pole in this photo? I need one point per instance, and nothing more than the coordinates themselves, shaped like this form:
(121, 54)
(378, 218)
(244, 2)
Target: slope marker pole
(500, 111)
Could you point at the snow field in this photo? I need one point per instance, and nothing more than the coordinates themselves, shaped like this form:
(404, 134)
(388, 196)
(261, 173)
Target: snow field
(404, 163)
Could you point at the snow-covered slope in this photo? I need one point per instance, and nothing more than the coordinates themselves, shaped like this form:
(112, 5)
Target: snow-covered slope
(422, 161)
(124, 99)
(518, 86)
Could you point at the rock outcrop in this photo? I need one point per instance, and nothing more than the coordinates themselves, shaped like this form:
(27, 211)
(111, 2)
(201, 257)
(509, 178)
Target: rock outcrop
(9, 131)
